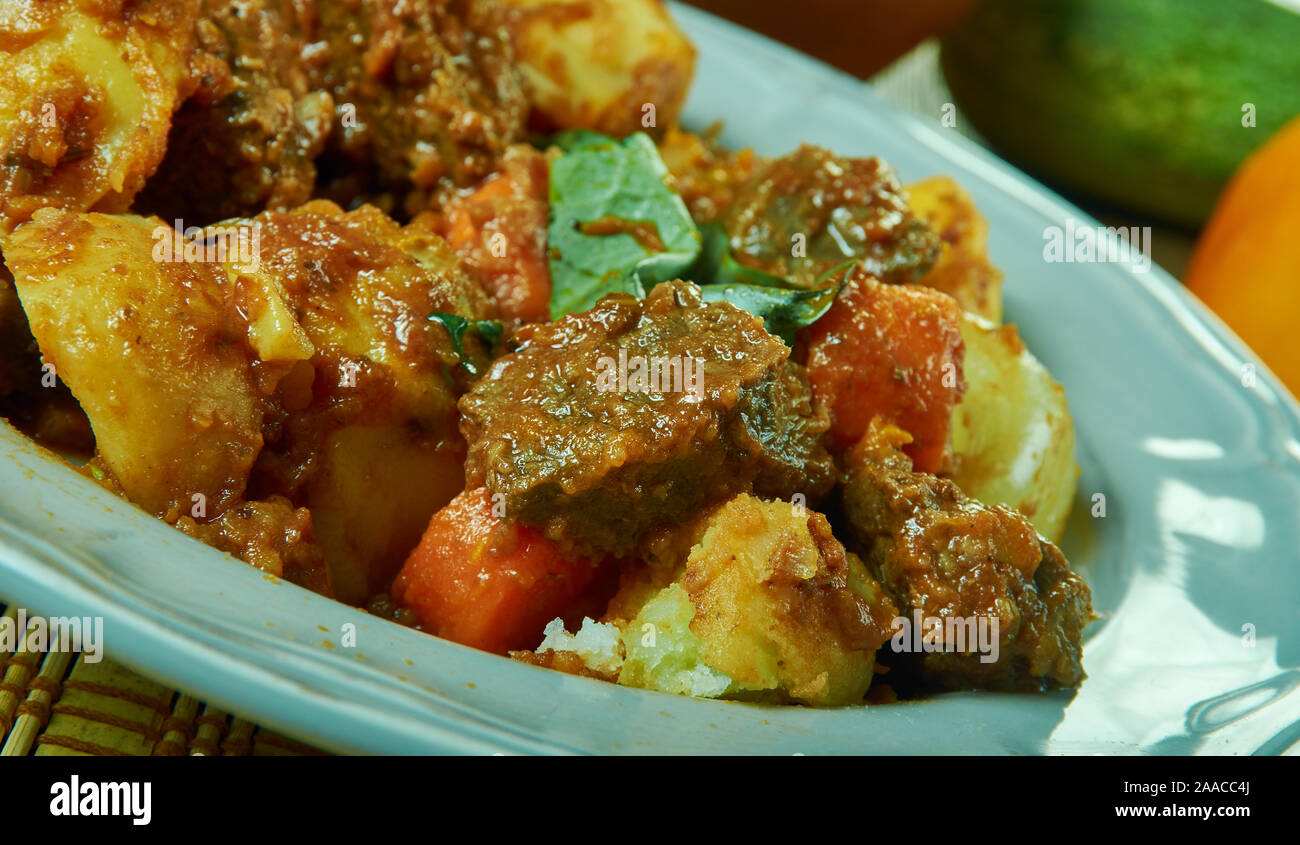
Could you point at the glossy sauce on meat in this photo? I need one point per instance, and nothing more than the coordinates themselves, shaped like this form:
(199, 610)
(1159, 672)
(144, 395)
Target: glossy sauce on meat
(806, 213)
(598, 468)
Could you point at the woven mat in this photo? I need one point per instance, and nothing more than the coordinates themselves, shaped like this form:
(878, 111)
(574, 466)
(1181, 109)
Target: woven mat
(55, 702)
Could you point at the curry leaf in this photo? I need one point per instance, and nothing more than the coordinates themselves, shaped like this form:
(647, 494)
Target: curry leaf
(615, 225)
(489, 331)
(784, 311)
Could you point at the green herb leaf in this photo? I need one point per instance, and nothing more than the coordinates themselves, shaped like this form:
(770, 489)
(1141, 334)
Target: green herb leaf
(615, 226)
(489, 331)
(717, 266)
(784, 310)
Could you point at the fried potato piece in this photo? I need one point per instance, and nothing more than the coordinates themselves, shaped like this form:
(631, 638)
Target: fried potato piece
(615, 66)
(89, 92)
(1012, 434)
(939, 552)
(307, 368)
(767, 605)
(364, 430)
(963, 270)
(152, 350)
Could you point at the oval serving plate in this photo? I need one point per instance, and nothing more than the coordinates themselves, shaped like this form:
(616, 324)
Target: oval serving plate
(1195, 568)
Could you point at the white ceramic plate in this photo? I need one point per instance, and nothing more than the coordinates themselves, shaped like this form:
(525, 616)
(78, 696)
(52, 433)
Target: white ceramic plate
(1201, 537)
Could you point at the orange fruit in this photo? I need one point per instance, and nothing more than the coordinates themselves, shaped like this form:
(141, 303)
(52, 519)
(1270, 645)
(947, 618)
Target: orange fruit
(1246, 265)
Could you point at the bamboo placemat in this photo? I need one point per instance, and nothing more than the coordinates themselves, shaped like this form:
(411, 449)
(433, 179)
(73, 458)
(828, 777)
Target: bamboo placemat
(56, 702)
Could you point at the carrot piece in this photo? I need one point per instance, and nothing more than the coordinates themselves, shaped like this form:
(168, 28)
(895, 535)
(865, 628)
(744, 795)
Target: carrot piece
(893, 351)
(499, 231)
(487, 583)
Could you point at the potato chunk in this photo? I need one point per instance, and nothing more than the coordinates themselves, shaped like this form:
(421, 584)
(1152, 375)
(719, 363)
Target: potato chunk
(1012, 435)
(363, 431)
(963, 270)
(87, 101)
(597, 64)
(311, 371)
(153, 351)
(767, 605)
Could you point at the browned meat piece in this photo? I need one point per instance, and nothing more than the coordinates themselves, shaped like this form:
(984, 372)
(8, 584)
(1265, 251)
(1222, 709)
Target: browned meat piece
(248, 137)
(435, 94)
(941, 553)
(393, 101)
(273, 535)
(88, 95)
(597, 464)
(810, 211)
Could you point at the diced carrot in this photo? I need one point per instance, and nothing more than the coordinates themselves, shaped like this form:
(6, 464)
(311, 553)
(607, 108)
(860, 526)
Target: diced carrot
(893, 351)
(461, 226)
(499, 231)
(488, 583)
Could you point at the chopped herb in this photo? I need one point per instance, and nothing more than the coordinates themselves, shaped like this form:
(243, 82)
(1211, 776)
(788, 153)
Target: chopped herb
(489, 331)
(616, 226)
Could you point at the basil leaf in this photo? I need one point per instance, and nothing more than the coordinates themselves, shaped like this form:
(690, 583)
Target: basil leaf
(489, 331)
(615, 225)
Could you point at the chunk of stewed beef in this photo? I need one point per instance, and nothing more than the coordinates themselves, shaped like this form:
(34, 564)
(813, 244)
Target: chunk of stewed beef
(944, 556)
(605, 425)
(807, 212)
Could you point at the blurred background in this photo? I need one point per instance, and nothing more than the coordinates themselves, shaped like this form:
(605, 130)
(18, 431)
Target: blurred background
(1180, 115)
